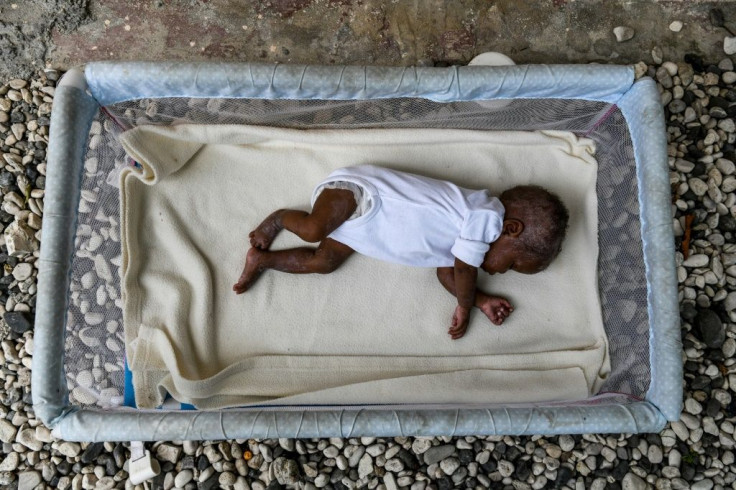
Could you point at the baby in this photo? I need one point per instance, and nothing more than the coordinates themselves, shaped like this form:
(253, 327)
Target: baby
(414, 220)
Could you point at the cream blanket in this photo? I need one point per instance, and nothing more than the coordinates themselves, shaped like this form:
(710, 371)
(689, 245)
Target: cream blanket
(371, 332)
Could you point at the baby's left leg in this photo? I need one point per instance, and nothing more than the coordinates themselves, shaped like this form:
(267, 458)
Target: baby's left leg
(303, 260)
(331, 209)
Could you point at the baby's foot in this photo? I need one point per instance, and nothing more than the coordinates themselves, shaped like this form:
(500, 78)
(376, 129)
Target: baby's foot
(251, 271)
(266, 232)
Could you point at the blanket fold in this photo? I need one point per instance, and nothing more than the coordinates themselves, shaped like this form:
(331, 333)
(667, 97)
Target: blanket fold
(370, 332)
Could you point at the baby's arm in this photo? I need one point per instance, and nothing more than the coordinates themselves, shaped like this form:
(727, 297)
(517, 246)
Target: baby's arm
(464, 277)
(495, 308)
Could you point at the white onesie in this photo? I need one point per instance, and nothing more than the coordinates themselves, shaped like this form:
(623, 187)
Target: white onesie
(413, 220)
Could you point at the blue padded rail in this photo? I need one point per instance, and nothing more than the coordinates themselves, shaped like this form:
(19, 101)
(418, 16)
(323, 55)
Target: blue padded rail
(645, 117)
(112, 82)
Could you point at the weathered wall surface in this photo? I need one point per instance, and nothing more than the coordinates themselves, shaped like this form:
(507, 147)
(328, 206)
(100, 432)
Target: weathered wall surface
(58, 33)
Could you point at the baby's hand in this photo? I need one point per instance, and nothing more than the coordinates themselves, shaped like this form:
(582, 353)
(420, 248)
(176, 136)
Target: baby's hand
(459, 322)
(496, 309)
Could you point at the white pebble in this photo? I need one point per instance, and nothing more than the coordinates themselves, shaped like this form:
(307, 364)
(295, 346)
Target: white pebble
(623, 33)
(22, 271)
(696, 260)
(729, 45)
(676, 26)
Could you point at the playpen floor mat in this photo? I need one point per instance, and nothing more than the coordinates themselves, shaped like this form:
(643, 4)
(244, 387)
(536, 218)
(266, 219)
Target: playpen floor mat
(370, 332)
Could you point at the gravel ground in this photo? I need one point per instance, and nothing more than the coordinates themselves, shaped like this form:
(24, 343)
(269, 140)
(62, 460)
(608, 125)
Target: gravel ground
(697, 452)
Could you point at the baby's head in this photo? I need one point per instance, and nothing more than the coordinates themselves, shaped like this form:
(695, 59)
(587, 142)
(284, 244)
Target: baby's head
(534, 226)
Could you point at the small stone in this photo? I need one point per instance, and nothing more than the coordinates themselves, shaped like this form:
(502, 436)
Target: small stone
(184, 477)
(729, 45)
(705, 484)
(729, 304)
(727, 125)
(227, 479)
(654, 454)
(726, 167)
(17, 83)
(43, 434)
(711, 329)
(376, 449)
(18, 130)
(421, 445)
(7, 478)
(92, 452)
(436, 454)
(505, 468)
(640, 69)
(670, 67)
(322, 480)
(27, 437)
(566, 442)
(394, 465)
(623, 33)
(676, 26)
(696, 260)
(690, 116)
(167, 452)
(354, 454)
(331, 452)
(7, 431)
(693, 407)
(287, 444)
(18, 322)
(69, 449)
(449, 465)
(677, 106)
(710, 79)
(10, 463)
(633, 482)
(389, 482)
(22, 271)
(728, 77)
(28, 480)
(365, 466)
(19, 240)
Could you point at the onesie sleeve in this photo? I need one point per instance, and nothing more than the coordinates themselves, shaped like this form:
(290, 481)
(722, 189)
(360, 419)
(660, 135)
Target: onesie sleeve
(481, 225)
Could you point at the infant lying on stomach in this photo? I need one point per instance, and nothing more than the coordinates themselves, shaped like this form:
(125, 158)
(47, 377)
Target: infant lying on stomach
(419, 221)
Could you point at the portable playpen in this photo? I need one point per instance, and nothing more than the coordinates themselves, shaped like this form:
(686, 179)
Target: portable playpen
(79, 373)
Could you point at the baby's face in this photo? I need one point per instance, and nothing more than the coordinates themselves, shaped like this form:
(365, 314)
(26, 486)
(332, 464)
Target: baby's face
(505, 254)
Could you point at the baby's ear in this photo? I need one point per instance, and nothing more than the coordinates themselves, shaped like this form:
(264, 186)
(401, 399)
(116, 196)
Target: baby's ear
(512, 227)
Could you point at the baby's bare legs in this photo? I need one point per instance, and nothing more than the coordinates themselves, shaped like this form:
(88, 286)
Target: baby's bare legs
(304, 260)
(331, 209)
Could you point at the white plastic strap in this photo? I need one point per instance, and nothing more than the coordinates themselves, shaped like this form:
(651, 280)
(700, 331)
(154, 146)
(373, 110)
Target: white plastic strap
(142, 467)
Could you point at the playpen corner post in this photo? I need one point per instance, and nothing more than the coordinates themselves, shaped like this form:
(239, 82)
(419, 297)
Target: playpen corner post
(72, 114)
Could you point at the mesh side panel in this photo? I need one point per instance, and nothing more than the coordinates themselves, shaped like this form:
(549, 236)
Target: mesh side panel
(95, 342)
(621, 280)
